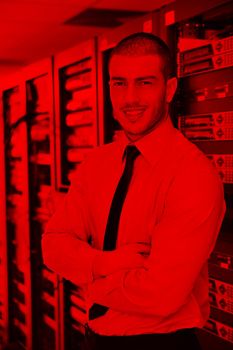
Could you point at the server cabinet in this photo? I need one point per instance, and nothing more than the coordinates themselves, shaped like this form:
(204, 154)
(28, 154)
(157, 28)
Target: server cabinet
(205, 116)
(76, 109)
(17, 233)
(38, 84)
(76, 131)
(33, 291)
(3, 245)
(4, 302)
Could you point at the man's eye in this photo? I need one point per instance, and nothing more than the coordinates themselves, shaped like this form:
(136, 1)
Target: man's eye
(118, 84)
(144, 82)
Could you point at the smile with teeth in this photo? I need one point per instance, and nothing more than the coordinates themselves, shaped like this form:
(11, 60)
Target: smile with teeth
(134, 112)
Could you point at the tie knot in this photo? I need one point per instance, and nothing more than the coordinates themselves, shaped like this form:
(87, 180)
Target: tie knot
(131, 152)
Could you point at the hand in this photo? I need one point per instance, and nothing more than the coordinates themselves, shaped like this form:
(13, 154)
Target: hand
(129, 256)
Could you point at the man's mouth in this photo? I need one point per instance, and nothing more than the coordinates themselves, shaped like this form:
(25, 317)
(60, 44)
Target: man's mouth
(133, 113)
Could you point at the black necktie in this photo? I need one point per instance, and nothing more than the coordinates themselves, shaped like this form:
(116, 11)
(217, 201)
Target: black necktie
(110, 238)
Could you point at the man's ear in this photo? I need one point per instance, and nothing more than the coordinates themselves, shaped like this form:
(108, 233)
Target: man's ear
(171, 89)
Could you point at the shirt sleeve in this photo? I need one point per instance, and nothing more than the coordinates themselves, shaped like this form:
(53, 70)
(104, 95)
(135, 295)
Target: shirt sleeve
(181, 244)
(65, 245)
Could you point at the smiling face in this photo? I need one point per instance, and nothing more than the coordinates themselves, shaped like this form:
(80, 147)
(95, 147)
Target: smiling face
(139, 92)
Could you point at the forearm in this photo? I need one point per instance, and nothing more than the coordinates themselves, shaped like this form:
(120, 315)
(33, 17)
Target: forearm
(65, 245)
(124, 291)
(69, 256)
(78, 262)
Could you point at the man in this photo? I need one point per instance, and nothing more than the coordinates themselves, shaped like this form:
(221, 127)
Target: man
(152, 217)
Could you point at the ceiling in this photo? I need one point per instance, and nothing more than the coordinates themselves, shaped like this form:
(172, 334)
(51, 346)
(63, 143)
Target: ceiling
(34, 29)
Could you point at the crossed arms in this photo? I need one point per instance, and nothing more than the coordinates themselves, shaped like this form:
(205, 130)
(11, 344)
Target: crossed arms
(135, 277)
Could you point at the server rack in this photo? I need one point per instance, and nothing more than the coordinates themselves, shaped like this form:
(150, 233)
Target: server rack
(3, 249)
(4, 303)
(17, 234)
(33, 302)
(76, 109)
(38, 81)
(205, 116)
(76, 130)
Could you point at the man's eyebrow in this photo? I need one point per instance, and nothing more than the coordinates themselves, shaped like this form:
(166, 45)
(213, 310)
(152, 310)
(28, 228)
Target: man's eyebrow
(147, 77)
(138, 78)
(117, 78)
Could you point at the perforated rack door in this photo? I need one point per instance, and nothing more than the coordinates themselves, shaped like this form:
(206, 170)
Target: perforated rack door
(31, 319)
(75, 109)
(38, 82)
(76, 133)
(4, 316)
(17, 216)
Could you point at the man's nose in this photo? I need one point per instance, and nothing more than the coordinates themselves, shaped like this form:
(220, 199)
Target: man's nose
(131, 94)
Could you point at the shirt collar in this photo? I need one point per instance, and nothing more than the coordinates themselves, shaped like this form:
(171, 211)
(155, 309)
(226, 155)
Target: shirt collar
(153, 145)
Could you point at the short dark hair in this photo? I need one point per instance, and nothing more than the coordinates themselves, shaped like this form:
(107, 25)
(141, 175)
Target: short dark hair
(145, 43)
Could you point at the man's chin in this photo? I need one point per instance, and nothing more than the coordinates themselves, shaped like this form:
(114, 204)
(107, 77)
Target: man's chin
(133, 136)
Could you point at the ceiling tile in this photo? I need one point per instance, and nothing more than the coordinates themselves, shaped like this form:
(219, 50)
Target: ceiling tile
(137, 5)
(40, 12)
